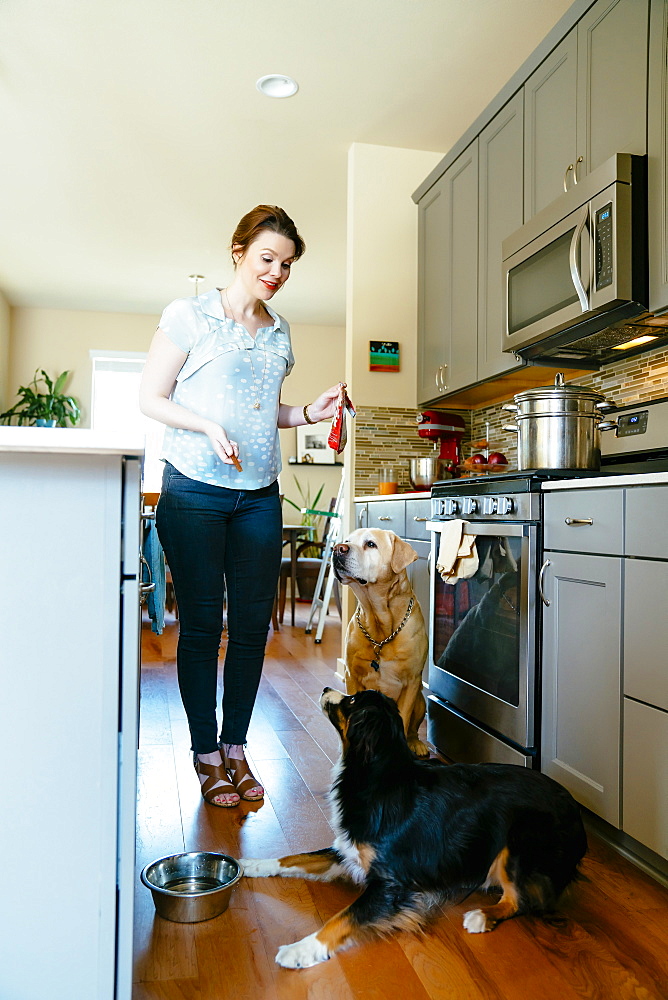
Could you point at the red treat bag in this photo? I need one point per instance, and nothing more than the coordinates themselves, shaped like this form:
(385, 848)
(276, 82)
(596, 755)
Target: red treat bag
(338, 435)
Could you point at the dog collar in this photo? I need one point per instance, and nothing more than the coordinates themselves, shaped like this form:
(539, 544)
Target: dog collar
(379, 645)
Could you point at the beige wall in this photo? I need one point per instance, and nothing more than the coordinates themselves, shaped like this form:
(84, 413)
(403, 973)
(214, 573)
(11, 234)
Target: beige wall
(381, 289)
(319, 362)
(382, 268)
(5, 328)
(56, 339)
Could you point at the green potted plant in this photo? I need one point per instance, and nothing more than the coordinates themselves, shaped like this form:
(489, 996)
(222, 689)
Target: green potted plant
(306, 584)
(43, 403)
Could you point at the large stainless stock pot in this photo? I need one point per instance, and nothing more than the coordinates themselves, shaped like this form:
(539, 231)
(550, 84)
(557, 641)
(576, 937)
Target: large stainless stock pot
(558, 426)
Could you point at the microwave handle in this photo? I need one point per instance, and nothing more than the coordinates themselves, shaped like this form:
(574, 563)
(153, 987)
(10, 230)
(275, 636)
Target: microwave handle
(573, 260)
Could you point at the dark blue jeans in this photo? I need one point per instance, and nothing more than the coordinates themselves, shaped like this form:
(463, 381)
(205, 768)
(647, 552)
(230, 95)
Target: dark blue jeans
(217, 540)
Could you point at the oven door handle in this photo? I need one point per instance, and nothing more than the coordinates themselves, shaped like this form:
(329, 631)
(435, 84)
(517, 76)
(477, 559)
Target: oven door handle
(484, 528)
(548, 562)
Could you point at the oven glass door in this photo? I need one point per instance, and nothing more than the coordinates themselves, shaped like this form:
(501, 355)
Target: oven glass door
(547, 282)
(482, 643)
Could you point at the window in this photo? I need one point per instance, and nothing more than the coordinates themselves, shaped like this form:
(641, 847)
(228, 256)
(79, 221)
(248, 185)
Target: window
(115, 407)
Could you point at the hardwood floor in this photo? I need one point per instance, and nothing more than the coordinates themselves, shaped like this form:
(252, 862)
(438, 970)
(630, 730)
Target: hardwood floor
(610, 940)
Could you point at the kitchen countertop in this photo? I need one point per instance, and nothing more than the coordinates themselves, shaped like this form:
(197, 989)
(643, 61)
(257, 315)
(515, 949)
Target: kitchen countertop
(637, 479)
(394, 496)
(70, 440)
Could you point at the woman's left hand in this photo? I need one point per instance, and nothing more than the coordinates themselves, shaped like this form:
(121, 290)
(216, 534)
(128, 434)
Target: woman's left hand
(324, 406)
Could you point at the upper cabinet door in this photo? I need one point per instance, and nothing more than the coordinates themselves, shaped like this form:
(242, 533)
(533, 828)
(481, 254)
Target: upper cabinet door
(550, 130)
(448, 280)
(501, 193)
(462, 273)
(657, 160)
(432, 298)
(612, 81)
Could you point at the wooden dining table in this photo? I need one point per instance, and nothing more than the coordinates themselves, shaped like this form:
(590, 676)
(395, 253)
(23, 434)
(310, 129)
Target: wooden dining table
(292, 533)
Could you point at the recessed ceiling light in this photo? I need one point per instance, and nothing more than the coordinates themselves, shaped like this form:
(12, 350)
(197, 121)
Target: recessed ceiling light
(277, 85)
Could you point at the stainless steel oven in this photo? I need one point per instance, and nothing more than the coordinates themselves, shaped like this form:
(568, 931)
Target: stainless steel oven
(483, 660)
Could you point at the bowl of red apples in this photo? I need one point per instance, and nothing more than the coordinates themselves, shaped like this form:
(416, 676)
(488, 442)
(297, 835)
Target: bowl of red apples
(480, 463)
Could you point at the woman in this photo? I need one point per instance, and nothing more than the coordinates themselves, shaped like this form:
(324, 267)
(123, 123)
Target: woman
(213, 375)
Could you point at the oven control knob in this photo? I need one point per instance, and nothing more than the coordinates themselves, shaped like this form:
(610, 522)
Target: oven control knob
(488, 505)
(470, 505)
(504, 505)
(449, 507)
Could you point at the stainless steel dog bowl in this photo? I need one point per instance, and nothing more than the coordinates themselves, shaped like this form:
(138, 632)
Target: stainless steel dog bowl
(188, 888)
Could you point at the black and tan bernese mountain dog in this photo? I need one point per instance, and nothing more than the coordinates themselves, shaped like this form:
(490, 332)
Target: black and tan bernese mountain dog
(417, 834)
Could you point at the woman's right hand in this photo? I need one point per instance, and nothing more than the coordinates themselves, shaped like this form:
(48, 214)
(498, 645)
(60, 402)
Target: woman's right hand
(221, 444)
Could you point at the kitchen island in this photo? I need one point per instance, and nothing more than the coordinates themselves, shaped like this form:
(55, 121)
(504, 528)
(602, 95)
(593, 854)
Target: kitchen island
(69, 663)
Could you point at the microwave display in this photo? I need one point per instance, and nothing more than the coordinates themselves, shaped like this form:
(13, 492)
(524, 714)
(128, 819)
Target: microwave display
(604, 246)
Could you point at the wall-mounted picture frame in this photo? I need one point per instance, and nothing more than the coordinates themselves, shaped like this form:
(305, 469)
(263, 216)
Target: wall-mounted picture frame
(312, 444)
(384, 356)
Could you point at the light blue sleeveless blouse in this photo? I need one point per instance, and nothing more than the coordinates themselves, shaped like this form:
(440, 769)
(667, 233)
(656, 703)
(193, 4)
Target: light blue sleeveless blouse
(217, 381)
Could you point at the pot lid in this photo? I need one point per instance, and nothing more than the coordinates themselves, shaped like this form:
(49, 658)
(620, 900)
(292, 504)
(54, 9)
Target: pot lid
(559, 389)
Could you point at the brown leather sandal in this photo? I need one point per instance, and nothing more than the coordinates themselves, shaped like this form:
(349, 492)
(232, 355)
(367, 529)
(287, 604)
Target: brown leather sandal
(216, 783)
(242, 777)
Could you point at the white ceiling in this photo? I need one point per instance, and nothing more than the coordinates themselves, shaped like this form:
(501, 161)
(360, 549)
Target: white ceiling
(133, 137)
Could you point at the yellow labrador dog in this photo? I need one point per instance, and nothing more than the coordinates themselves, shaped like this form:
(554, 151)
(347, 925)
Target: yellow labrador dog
(386, 642)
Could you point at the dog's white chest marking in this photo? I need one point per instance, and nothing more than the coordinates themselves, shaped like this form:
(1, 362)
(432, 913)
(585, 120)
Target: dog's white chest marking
(353, 862)
(302, 954)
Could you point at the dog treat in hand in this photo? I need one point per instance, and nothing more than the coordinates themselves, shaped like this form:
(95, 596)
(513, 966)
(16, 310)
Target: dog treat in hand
(338, 435)
(237, 463)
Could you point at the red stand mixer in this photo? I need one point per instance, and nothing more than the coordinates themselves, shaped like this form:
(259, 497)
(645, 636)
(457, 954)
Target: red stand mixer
(448, 429)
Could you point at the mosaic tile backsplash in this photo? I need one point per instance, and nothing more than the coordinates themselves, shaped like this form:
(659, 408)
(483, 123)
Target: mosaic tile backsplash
(388, 436)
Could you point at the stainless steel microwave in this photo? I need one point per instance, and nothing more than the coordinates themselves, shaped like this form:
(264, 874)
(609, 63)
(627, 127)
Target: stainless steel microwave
(575, 276)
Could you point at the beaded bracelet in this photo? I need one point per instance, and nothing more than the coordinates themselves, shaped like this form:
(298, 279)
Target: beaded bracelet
(306, 416)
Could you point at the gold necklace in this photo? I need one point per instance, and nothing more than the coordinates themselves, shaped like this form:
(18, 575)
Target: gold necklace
(258, 391)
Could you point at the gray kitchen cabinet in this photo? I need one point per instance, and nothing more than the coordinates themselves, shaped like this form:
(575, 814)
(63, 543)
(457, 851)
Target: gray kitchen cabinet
(645, 802)
(645, 747)
(605, 635)
(646, 631)
(387, 514)
(432, 303)
(646, 528)
(550, 136)
(612, 81)
(500, 187)
(657, 159)
(585, 521)
(448, 280)
(587, 100)
(581, 726)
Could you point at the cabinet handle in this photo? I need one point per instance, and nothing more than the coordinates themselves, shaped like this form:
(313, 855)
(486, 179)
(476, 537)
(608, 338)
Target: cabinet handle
(578, 520)
(420, 518)
(540, 582)
(575, 169)
(569, 167)
(145, 588)
(384, 517)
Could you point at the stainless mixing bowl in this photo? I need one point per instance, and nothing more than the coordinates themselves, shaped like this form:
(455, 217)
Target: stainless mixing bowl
(424, 472)
(188, 888)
